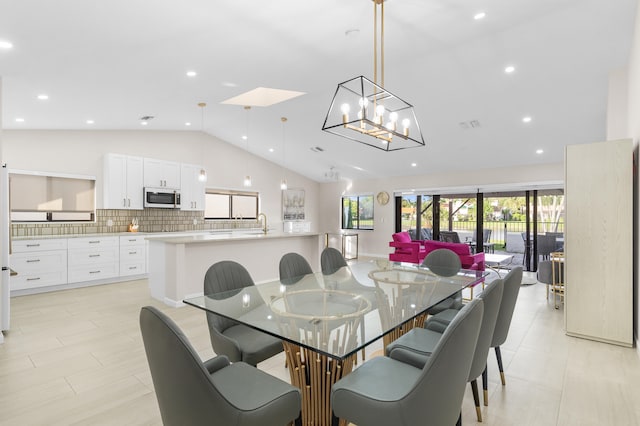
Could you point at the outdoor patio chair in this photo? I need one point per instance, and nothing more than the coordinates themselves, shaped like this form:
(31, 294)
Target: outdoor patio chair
(449, 236)
(486, 244)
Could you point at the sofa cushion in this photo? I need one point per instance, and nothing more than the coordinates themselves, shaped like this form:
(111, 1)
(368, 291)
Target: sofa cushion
(460, 249)
(401, 237)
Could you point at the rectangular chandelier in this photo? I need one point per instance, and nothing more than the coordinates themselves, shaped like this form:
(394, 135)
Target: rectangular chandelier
(367, 113)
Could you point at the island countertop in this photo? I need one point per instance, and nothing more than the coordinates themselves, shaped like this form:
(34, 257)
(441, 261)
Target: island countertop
(178, 263)
(217, 236)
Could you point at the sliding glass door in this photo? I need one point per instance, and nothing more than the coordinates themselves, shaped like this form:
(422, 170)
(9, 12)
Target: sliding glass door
(527, 225)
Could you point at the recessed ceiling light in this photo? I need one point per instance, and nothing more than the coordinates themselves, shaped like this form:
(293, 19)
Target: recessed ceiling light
(187, 124)
(509, 69)
(526, 119)
(413, 164)
(90, 121)
(19, 120)
(144, 123)
(539, 151)
(479, 15)
(244, 137)
(191, 73)
(4, 44)
(43, 97)
(271, 149)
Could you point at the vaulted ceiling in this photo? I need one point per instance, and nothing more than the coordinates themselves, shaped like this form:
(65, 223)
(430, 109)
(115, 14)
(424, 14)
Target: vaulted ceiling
(116, 61)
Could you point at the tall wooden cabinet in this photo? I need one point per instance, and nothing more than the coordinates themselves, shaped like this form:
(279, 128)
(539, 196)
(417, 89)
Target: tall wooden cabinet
(599, 241)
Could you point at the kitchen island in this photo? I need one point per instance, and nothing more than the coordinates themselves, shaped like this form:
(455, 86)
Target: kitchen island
(178, 263)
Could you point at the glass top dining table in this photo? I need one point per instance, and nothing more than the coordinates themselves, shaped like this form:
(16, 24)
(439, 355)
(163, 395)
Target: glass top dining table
(339, 314)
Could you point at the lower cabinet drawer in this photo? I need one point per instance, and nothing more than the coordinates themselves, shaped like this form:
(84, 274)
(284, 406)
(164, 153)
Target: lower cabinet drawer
(92, 272)
(92, 256)
(38, 279)
(45, 261)
(132, 268)
(132, 254)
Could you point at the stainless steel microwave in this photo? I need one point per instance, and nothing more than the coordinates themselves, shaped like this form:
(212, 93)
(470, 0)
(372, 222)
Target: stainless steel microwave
(163, 198)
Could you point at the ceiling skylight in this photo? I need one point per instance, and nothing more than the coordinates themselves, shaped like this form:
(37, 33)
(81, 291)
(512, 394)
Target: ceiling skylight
(263, 97)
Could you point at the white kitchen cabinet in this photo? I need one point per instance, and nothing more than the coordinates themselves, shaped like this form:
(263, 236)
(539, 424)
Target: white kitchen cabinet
(39, 263)
(93, 258)
(123, 182)
(132, 255)
(192, 189)
(161, 174)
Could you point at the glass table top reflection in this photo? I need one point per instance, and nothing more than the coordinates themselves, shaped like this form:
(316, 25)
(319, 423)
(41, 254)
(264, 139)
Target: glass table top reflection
(338, 314)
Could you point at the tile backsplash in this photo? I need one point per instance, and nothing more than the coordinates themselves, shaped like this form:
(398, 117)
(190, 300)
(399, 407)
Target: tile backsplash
(149, 220)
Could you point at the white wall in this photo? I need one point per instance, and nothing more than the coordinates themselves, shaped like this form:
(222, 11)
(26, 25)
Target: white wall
(376, 242)
(617, 105)
(81, 152)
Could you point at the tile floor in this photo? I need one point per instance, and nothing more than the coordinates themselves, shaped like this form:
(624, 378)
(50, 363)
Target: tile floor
(75, 357)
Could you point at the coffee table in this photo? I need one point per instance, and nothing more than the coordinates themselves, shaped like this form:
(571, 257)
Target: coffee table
(496, 262)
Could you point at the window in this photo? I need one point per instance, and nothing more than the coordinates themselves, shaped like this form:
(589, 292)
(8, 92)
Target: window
(37, 197)
(220, 204)
(357, 212)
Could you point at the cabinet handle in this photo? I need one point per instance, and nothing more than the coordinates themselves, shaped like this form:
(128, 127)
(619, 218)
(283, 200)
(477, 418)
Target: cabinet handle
(133, 252)
(129, 204)
(133, 240)
(94, 272)
(133, 267)
(94, 255)
(33, 245)
(33, 260)
(124, 202)
(94, 242)
(33, 279)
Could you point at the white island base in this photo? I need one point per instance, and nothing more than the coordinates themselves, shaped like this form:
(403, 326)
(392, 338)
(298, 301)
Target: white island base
(177, 264)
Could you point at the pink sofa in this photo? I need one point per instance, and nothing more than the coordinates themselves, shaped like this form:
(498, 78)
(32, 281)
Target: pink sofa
(468, 260)
(406, 250)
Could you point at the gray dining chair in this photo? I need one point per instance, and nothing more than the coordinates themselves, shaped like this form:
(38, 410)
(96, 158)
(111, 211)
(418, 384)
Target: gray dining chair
(384, 391)
(512, 283)
(237, 341)
(446, 263)
(331, 260)
(416, 346)
(214, 392)
(293, 267)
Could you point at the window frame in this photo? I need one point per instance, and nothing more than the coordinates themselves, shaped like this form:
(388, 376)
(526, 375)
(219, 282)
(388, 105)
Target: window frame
(231, 194)
(357, 220)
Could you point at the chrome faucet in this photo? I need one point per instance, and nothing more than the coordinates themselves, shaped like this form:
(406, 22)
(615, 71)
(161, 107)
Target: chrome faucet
(264, 227)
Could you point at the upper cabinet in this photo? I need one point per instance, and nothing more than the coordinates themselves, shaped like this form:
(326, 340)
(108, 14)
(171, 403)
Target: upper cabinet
(161, 174)
(192, 188)
(123, 182)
